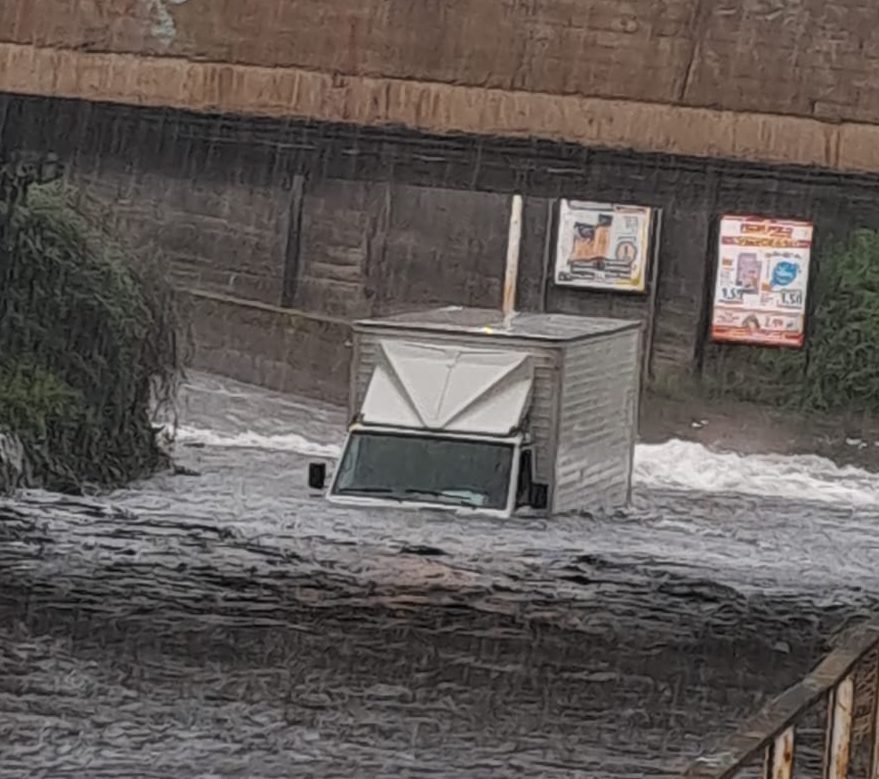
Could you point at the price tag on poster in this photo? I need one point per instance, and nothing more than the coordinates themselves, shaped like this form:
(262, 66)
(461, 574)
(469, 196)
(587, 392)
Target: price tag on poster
(762, 278)
(603, 246)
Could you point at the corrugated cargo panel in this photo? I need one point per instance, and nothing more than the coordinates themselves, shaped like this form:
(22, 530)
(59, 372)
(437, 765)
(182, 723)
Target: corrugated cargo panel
(542, 416)
(597, 423)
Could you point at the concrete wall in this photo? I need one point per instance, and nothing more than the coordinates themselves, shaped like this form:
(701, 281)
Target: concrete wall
(769, 80)
(338, 224)
(219, 233)
(274, 347)
(369, 247)
(769, 56)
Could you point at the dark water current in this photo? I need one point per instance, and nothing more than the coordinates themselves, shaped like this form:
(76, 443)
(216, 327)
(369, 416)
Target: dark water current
(226, 623)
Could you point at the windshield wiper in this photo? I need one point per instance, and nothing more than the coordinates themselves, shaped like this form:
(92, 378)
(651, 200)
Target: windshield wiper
(440, 494)
(397, 495)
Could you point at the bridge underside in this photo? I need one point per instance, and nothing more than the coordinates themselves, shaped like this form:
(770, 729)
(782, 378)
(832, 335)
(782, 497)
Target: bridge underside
(297, 93)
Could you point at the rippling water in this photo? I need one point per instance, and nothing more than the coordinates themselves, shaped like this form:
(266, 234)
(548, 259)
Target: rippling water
(225, 622)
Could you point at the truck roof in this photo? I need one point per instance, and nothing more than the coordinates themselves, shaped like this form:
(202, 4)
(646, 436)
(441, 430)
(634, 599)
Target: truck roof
(490, 322)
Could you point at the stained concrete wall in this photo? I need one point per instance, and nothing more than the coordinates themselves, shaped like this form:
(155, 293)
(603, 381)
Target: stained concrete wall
(816, 59)
(273, 347)
(768, 80)
(338, 223)
(219, 233)
(369, 247)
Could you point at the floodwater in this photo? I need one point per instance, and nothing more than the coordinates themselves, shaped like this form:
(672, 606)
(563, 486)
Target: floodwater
(224, 622)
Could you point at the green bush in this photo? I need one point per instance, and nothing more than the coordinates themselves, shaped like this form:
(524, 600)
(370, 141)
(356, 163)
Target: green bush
(86, 338)
(839, 367)
(843, 351)
(47, 414)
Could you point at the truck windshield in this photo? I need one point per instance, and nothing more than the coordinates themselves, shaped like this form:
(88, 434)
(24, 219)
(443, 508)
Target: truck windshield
(426, 469)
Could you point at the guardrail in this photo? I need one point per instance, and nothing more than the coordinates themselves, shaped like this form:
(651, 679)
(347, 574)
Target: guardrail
(786, 739)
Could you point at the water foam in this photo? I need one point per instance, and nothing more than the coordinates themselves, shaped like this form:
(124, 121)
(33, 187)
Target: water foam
(675, 464)
(688, 465)
(285, 442)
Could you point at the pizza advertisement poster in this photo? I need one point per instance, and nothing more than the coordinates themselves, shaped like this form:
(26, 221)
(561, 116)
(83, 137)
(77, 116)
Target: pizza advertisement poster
(762, 279)
(603, 246)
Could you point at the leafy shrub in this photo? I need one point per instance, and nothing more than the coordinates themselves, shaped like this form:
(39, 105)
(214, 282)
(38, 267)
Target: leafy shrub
(47, 414)
(843, 353)
(839, 367)
(86, 338)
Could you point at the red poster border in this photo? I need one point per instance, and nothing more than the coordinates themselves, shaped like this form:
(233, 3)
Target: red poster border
(739, 335)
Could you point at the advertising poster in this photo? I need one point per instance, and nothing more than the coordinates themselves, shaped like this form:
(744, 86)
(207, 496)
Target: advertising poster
(762, 277)
(603, 246)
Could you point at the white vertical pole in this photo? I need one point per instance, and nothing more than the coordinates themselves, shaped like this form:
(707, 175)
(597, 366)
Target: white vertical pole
(511, 270)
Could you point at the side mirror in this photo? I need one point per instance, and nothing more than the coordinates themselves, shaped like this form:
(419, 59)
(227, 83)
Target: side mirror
(317, 475)
(539, 498)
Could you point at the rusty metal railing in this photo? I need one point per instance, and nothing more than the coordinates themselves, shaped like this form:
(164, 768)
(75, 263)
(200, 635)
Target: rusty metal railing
(783, 740)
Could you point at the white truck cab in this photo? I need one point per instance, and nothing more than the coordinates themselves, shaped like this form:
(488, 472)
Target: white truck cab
(463, 409)
(426, 469)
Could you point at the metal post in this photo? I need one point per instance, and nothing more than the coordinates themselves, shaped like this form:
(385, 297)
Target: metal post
(656, 238)
(514, 242)
(291, 237)
(839, 730)
(549, 257)
(780, 756)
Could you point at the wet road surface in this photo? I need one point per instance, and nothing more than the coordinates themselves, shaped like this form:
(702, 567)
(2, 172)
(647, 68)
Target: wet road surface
(229, 624)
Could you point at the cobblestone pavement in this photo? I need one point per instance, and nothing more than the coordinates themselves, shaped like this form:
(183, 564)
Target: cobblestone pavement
(222, 622)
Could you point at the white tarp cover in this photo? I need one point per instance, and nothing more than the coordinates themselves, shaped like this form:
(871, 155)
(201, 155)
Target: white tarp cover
(450, 388)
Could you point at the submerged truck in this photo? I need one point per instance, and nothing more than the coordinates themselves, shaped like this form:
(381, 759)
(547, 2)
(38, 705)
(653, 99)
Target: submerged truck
(471, 410)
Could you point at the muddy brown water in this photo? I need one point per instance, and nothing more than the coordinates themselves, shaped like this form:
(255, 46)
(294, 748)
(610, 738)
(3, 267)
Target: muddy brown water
(230, 624)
